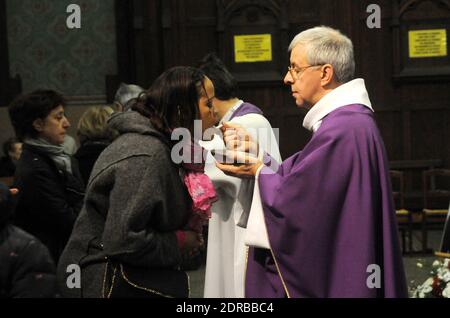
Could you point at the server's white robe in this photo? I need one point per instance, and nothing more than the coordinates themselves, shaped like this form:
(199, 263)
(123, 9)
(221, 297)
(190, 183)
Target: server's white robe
(226, 253)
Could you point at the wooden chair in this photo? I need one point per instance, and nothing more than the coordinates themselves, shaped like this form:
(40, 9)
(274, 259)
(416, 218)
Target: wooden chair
(404, 217)
(436, 198)
(445, 240)
(8, 181)
(443, 255)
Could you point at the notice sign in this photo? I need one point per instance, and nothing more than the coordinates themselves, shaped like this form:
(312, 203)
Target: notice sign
(253, 48)
(428, 43)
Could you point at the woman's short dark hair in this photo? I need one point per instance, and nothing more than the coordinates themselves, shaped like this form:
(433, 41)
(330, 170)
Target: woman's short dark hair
(225, 85)
(25, 109)
(172, 100)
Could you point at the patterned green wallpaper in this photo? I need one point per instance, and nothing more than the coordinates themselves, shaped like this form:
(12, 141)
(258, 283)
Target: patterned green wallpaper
(46, 53)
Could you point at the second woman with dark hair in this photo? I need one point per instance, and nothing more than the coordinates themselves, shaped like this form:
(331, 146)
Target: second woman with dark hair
(129, 237)
(50, 186)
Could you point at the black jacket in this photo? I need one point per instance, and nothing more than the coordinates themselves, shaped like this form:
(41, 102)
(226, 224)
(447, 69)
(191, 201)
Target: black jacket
(7, 167)
(26, 267)
(87, 155)
(49, 199)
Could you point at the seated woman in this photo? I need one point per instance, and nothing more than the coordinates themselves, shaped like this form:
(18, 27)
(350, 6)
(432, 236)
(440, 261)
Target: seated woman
(12, 149)
(50, 187)
(94, 136)
(26, 269)
(132, 231)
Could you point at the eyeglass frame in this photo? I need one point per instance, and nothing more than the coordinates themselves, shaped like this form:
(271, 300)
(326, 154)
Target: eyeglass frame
(296, 72)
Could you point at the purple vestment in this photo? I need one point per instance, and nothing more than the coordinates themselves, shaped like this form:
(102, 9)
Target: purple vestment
(245, 109)
(330, 215)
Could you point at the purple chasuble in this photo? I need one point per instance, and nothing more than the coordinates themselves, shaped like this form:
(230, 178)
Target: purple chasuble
(330, 217)
(245, 109)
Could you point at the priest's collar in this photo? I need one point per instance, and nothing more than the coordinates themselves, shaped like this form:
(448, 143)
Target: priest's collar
(353, 92)
(230, 112)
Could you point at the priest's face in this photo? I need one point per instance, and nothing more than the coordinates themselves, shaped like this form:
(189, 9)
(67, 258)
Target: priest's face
(304, 78)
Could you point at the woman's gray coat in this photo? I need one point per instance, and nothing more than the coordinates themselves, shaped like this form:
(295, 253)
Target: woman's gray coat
(135, 201)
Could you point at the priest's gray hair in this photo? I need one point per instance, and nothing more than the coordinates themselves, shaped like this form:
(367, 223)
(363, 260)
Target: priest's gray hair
(325, 45)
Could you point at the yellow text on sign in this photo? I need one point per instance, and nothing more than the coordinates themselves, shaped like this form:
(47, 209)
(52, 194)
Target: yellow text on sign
(428, 43)
(253, 48)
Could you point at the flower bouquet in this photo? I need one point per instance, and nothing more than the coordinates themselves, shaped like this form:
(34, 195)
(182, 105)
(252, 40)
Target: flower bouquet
(437, 286)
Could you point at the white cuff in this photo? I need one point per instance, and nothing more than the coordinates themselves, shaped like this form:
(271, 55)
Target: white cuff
(256, 232)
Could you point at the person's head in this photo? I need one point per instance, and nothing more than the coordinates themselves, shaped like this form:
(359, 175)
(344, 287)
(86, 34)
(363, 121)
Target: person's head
(12, 148)
(321, 59)
(178, 97)
(93, 124)
(125, 93)
(39, 114)
(225, 85)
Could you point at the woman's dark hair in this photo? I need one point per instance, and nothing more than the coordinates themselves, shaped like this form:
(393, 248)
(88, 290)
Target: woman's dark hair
(225, 85)
(25, 109)
(8, 145)
(172, 100)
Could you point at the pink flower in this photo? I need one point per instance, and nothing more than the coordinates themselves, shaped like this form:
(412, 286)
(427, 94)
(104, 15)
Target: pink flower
(203, 196)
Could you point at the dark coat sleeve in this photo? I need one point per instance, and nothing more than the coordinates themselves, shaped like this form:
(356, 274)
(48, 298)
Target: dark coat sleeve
(34, 273)
(142, 202)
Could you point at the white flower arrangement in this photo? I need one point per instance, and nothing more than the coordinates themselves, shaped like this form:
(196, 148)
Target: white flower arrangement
(438, 285)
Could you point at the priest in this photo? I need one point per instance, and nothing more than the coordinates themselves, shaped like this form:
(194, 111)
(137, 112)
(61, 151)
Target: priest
(323, 224)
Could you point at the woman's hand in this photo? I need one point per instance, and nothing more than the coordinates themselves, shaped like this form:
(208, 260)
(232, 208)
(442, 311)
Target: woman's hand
(194, 243)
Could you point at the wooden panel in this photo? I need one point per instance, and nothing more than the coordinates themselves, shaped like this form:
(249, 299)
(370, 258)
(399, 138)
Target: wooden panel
(295, 132)
(428, 133)
(9, 88)
(419, 15)
(391, 129)
(374, 58)
(4, 63)
(303, 11)
(413, 117)
(153, 35)
(148, 39)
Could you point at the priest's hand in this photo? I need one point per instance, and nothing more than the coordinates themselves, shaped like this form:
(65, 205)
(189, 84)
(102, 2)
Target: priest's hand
(241, 157)
(238, 139)
(239, 164)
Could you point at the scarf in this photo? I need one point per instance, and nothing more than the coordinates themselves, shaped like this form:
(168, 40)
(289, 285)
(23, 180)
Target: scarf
(55, 152)
(200, 189)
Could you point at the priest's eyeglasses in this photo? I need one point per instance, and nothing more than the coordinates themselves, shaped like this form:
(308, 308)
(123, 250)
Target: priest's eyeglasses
(297, 71)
